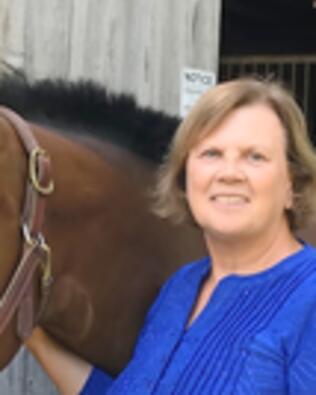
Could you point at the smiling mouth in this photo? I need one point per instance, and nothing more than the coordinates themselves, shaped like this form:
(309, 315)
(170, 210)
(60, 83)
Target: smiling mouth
(230, 200)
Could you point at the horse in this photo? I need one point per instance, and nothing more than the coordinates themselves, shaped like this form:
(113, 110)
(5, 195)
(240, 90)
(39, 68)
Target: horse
(110, 253)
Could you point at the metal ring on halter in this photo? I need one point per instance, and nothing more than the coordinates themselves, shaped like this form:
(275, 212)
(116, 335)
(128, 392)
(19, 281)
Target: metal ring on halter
(47, 277)
(36, 152)
(31, 241)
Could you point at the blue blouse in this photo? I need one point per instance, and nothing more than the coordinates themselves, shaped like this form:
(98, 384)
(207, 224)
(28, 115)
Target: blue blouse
(256, 335)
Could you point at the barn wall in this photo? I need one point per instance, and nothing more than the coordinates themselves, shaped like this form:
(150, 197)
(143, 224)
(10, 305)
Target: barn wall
(134, 46)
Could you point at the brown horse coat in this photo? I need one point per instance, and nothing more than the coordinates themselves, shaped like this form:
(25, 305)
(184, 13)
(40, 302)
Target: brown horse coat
(110, 254)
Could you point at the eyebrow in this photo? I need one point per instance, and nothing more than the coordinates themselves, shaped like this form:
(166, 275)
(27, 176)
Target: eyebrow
(245, 148)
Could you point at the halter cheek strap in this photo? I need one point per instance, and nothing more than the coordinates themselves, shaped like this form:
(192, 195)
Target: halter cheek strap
(19, 295)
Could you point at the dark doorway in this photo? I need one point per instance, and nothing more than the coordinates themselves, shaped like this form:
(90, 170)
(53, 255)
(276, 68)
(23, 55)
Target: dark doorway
(275, 38)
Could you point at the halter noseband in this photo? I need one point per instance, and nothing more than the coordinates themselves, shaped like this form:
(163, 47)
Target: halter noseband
(19, 293)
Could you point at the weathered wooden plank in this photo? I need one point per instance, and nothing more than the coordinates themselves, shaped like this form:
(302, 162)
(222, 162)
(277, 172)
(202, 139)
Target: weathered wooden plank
(131, 46)
(47, 44)
(14, 26)
(137, 47)
(141, 48)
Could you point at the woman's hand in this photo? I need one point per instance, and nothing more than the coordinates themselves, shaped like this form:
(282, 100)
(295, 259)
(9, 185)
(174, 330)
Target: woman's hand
(67, 371)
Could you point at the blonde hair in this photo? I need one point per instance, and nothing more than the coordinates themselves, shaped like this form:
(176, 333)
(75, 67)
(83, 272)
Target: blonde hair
(210, 110)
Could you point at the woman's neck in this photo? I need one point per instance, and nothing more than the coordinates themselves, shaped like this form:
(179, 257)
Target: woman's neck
(251, 255)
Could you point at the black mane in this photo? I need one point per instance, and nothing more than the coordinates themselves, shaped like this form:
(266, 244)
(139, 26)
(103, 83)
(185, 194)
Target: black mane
(87, 107)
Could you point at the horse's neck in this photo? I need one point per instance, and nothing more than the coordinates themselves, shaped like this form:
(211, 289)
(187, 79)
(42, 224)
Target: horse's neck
(122, 159)
(85, 170)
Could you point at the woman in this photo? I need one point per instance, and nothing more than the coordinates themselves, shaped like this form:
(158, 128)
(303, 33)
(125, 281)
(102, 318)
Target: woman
(243, 320)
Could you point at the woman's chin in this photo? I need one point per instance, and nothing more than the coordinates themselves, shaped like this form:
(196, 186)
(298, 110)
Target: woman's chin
(228, 234)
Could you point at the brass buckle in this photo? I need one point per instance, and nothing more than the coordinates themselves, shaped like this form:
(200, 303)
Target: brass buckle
(47, 277)
(36, 152)
(46, 266)
(30, 241)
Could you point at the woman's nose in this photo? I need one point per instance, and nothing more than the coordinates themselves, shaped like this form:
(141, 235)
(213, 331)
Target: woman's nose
(231, 170)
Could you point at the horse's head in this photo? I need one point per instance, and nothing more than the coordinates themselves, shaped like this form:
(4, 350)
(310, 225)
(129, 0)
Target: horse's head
(23, 167)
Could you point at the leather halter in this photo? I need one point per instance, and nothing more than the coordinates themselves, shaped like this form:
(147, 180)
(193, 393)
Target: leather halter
(19, 293)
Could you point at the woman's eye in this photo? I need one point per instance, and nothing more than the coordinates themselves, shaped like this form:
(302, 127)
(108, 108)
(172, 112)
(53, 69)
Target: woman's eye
(256, 156)
(210, 153)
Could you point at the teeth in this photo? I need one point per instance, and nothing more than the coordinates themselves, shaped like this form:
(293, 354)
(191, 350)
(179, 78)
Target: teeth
(230, 199)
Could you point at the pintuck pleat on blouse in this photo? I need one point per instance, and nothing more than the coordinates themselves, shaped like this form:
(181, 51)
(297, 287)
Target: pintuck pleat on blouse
(256, 335)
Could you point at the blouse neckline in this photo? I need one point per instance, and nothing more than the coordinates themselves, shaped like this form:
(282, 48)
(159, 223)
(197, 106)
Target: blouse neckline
(222, 291)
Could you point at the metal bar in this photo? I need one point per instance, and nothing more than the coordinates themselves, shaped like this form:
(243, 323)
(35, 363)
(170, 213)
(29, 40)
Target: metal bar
(229, 67)
(306, 84)
(280, 70)
(272, 59)
(293, 79)
(266, 69)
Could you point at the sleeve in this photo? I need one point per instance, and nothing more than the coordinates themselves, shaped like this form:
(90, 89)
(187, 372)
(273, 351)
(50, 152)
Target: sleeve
(302, 371)
(161, 298)
(169, 285)
(154, 308)
(97, 383)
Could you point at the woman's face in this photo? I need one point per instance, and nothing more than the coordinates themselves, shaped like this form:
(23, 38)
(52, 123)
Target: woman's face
(237, 178)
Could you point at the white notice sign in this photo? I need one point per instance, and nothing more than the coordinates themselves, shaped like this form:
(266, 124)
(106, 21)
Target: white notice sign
(194, 83)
